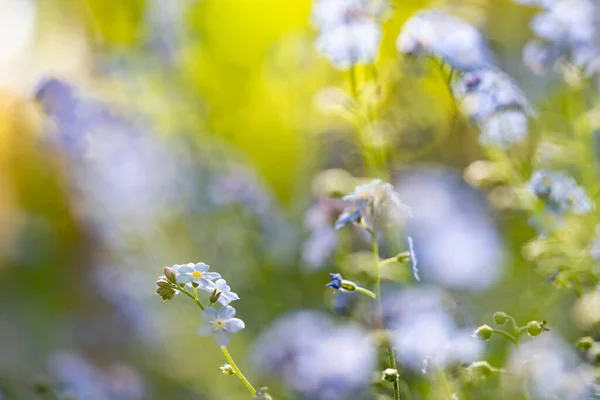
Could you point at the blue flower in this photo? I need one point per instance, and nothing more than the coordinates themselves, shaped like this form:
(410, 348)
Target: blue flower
(560, 192)
(351, 214)
(336, 281)
(220, 325)
(226, 296)
(198, 274)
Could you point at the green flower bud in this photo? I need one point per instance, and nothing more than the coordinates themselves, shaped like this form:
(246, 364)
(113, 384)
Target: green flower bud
(500, 318)
(227, 369)
(165, 293)
(585, 343)
(534, 328)
(162, 282)
(348, 286)
(484, 332)
(390, 375)
(169, 274)
(215, 296)
(482, 367)
(403, 257)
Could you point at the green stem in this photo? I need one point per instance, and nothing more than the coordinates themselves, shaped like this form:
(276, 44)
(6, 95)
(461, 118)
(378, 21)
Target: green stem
(393, 365)
(195, 297)
(366, 291)
(375, 249)
(506, 335)
(237, 371)
(388, 261)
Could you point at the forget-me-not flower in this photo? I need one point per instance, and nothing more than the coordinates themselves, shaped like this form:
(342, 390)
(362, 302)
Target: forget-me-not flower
(197, 274)
(435, 33)
(226, 296)
(560, 192)
(220, 324)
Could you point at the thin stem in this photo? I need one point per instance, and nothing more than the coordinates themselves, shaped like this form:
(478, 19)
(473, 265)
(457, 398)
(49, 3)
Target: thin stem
(366, 291)
(195, 298)
(388, 261)
(393, 365)
(237, 371)
(506, 335)
(375, 249)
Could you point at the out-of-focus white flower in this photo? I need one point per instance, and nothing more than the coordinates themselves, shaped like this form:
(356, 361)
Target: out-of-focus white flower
(455, 238)
(349, 31)
(317, 358)
(372, 202)
(424, 331)
(550, 367)
(504, 129)
(220, 324)
(435, 33)
(560, 192)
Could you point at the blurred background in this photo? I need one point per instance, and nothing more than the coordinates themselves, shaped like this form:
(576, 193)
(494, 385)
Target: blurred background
(144, 133)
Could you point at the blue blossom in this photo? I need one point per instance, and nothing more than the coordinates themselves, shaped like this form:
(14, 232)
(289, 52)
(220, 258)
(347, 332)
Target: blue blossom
(197, 274)
(436, 33)
(349, 30)
(560, 192)
(226, 296)
(220, 325)
(494, 101)
(336, 281)
(454, 235)
(317, 358)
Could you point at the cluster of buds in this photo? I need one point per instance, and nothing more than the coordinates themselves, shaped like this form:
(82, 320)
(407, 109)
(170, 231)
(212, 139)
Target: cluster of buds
(514, 332)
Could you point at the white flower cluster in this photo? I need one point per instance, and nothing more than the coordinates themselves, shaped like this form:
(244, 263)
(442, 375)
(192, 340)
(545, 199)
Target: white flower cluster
(349, 30)
(565, 28)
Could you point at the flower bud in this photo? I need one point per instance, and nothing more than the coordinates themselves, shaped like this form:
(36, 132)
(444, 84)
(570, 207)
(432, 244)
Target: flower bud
(482, 367)
(227, 369)
(170, 275)
(162, 282)
(404, 257)
(348, 286)
(215, 296)
(484, 332)
(195, 284)
(500, 318)
(585, 343)
(390, 375)
(534, 328)
(165, 293)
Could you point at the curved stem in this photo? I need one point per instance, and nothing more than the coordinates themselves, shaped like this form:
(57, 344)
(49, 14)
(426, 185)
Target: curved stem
(237, 371)
(506, 335)
(195, 298)
(366, 291)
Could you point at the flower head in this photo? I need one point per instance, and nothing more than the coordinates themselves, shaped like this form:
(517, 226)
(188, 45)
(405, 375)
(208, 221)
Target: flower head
(560, 192)
(196, 274)
(336, 281)
(349, 31)
(226, 296)
(220, 325)
(436, 33)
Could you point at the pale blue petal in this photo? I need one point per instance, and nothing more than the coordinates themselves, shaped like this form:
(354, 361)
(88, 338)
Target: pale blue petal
(223, 300)
(201, 267)
(205, 285)
(234, 325)
(209, 315)
(186, 269)
(227, 297)
(221, 337)
(222, 285)
(183, 279)
(205, 329)
(226, 312)
(211, 275)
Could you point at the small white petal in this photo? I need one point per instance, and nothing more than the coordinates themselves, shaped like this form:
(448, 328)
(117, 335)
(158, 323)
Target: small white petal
(186, 269)
(221, 337)
(234, 325)
(205, 329)
(206, 285)
(222, 285)
(209, 315)
(226, 312)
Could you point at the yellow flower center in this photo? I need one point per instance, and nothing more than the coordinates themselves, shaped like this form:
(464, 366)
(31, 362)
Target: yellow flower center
(197, 274)
(219, 324)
